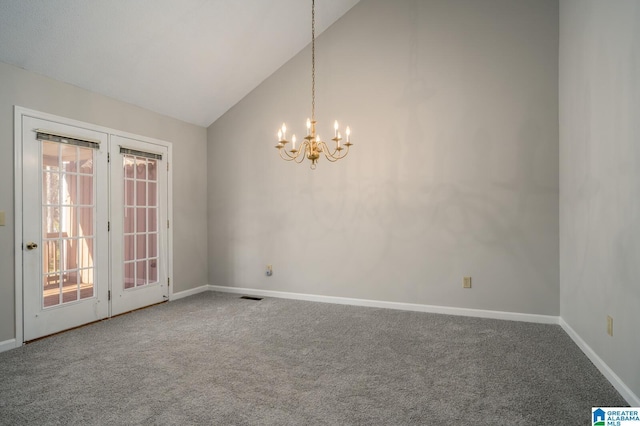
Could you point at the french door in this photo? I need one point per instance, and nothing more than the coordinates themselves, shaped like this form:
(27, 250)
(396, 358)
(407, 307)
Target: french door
(65, 244)
(138, 223)
(94, 225)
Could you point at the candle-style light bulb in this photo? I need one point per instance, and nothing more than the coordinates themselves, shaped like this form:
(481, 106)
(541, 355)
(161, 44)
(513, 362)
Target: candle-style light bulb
(279, 135)
(293, 141)
(348, 133)
(317, 138)
(339, 137)
(335, 128)
(308, 126)
(284, 131)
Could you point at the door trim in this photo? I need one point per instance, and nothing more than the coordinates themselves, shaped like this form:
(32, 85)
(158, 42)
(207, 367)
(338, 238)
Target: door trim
(19, 113)
(17, 218)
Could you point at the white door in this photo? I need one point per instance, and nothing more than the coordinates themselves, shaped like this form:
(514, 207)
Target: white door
(139, 255)
(65, 241)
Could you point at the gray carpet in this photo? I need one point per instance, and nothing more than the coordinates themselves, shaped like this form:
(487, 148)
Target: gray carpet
(216, 359)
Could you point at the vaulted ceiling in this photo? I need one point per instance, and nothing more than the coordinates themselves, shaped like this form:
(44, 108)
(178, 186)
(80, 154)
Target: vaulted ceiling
(187, 59)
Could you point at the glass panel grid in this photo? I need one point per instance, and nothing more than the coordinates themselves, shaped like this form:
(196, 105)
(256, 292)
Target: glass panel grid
(140, 222)
(68, 222)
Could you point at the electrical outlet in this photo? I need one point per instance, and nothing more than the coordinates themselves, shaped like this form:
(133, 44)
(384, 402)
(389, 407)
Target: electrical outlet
(466, 282)
(269, 270)
(609, 325)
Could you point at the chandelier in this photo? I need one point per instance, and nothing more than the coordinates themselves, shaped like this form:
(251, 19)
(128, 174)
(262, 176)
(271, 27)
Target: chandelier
(312, 145)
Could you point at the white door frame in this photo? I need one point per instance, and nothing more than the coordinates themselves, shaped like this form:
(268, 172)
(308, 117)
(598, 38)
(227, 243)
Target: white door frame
(19, 112)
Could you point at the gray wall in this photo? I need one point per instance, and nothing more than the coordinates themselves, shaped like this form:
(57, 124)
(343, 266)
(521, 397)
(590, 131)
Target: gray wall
(23, 88)
(454, 171)
(600, 178)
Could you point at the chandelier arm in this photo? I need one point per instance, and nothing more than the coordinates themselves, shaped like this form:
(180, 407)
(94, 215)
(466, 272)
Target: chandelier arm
(329, 156)
(291, 158)
(346, 151)
(333, 157)
(303, 152)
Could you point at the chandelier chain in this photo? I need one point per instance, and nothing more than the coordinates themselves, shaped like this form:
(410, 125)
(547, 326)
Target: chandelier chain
(313, 60)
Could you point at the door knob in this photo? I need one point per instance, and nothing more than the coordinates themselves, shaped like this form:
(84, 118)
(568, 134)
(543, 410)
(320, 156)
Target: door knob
(31, 246)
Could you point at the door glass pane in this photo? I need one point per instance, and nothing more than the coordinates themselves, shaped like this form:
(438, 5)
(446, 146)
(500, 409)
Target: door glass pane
(85, 252)
(72, 254)
(141, 272)
(129, 192)
(51, 290)
(69, 157)
(141, 246)
(129, 275)
(68, 221)
(51, 156)
(86, 283)
(86, 160)
(129, 166)
(69, 188)
(152, 201)
(51, 188)
(70, 287)
(153, 245)
(67, 255)
(153, 271)
(51, 221)
(51, 256)
(129, 247)
(128, 220)
(152, 223)
(85, 222)
(141, 193)
(141, 168)
(85, 190)
(140, 221)
(153, 170)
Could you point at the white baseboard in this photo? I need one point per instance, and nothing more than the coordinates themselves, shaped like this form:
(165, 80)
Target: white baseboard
(606, 371)
(190, 292)
(479, 313)
(7, 345)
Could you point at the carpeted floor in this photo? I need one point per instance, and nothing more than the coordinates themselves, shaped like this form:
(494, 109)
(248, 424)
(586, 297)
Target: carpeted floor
(216, 359)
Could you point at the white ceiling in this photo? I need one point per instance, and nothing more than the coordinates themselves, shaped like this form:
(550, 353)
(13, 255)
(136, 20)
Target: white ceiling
(188, 59)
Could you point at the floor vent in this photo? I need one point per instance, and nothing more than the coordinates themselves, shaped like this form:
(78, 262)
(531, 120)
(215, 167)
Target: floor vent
(251, 298)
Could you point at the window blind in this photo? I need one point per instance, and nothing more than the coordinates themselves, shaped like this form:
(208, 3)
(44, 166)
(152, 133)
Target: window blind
(137, 153)
(46, 135)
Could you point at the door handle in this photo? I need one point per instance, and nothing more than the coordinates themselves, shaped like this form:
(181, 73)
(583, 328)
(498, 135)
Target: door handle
(31, 246)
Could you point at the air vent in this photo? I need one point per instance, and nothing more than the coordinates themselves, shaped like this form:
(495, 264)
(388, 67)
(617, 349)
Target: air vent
(251, 298)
